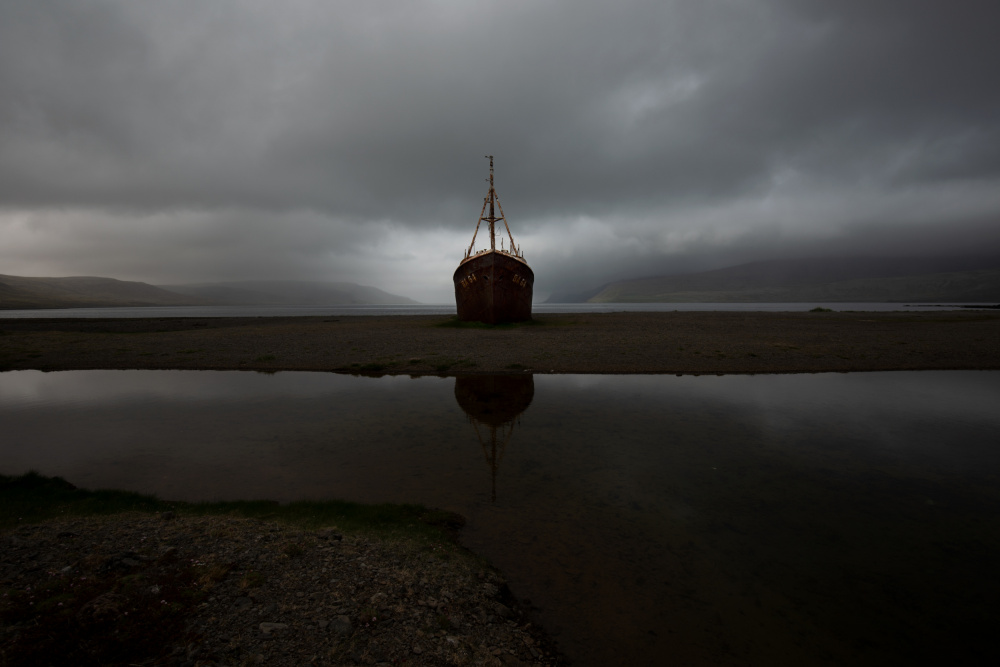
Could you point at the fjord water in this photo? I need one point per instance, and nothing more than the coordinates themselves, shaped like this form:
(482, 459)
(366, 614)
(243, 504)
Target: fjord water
(449, 309)
(781, 519)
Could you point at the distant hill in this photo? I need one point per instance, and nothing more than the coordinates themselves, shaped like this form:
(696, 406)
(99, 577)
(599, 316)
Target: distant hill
(84, 292)
(17, 292)
(287, 293)
(833, 280)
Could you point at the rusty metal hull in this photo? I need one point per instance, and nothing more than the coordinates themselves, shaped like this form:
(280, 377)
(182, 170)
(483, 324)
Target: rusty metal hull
(494, 287)
(494, 400)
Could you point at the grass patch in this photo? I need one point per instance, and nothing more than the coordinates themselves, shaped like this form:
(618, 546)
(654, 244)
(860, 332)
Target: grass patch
(445, 364)
(371, 367)
(516, 367)
(455, 323)
(31, 498)
(820, 309)
(266, 357)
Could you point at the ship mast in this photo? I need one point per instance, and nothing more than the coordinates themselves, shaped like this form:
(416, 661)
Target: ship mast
(492, 196)
(492, 199)
(494, 454)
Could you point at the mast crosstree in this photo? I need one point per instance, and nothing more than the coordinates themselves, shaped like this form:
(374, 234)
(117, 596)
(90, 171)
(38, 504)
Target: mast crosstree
(493, 201)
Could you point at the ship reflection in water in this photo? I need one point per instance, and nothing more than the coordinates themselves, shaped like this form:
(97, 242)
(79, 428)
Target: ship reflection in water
(493, 404)
(814, 519)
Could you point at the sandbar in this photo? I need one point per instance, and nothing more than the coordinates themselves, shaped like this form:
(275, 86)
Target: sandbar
(623, 342)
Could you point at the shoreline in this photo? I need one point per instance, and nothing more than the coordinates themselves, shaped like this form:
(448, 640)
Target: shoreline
(580, 343)
(131, 579)
(665, 343)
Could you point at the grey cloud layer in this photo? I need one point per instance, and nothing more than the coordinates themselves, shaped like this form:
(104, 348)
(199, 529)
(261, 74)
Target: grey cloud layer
(644, 113)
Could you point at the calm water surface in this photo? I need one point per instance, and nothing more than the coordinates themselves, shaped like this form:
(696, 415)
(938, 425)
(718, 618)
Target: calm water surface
(796, 519)
(449, 309)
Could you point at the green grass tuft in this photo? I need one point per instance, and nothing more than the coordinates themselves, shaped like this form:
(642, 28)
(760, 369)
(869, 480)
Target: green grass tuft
(32, 498)
(455, 323)
(445, 364)
(372, 367)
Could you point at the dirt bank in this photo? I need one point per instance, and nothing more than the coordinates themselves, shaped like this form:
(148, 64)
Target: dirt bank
(139, 589)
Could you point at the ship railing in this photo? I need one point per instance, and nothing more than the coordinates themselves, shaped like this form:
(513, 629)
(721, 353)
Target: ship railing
(518, 255)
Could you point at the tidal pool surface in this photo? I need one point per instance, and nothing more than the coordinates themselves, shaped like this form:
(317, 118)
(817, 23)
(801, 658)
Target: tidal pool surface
(778, 519)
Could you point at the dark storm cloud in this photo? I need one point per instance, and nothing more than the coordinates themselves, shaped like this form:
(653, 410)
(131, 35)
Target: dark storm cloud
(672, 133)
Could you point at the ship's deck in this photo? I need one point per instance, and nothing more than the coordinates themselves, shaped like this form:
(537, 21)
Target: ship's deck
(499, 252)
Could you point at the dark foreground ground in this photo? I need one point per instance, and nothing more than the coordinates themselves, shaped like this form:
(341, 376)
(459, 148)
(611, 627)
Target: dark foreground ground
(684, 342)
(123, 580)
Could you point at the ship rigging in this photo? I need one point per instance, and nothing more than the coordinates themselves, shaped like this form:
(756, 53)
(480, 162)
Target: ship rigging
(492, 285)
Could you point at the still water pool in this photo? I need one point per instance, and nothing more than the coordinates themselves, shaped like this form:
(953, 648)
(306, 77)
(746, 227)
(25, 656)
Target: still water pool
(779, 519)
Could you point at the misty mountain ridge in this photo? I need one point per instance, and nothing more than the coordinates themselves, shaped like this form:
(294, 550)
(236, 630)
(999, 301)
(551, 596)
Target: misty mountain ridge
(288, 293)
(17, 292)
(84, 292)
(814, 279)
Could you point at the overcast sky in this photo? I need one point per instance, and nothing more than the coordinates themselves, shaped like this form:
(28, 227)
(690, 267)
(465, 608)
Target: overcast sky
(184, 140)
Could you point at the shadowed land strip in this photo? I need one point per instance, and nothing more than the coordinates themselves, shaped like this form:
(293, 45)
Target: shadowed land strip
(124, 579)
(628, 342)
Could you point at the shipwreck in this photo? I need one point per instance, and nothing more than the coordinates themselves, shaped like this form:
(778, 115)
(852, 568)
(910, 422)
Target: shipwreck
(494, 285)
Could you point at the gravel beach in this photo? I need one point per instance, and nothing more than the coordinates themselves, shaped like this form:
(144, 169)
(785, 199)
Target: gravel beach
(627, 342)
(235, 591)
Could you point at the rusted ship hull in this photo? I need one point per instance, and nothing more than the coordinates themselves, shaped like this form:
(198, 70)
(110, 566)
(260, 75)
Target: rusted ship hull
(494, 287)
(494, 400)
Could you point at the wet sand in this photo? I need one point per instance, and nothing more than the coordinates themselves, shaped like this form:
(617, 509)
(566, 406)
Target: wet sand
(628, 342)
